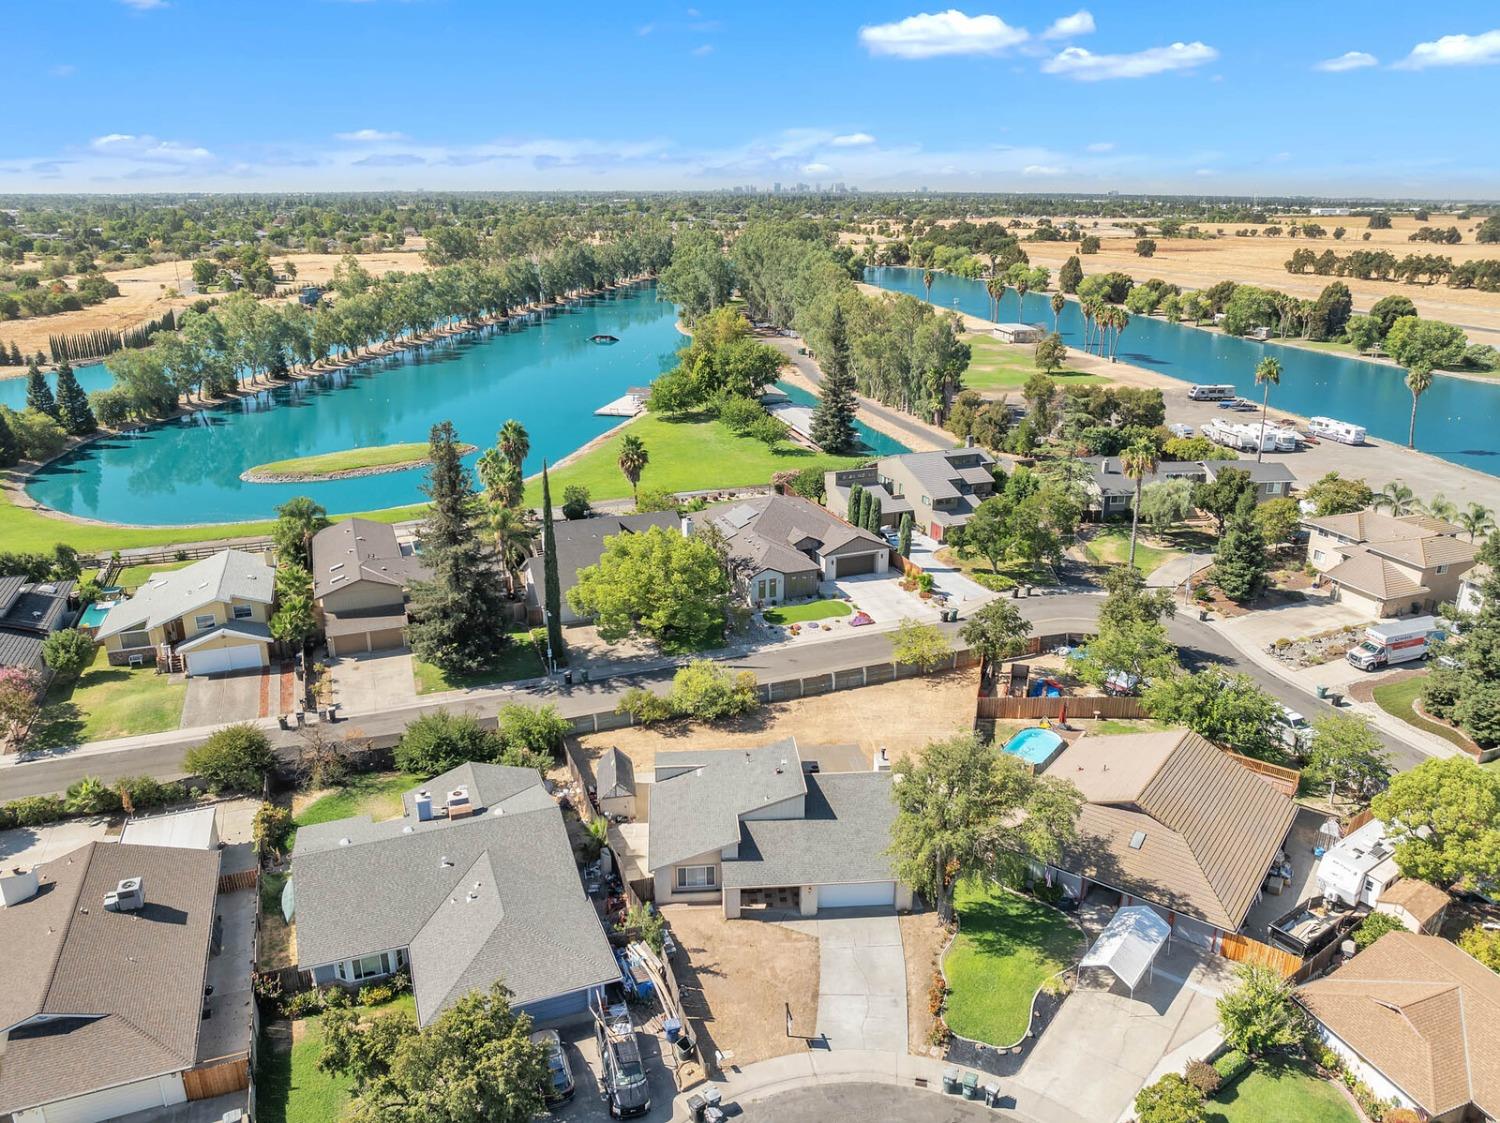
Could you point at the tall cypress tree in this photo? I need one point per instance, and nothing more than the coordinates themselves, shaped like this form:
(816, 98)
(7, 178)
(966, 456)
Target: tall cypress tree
(852, 514)
(457, 614)
(1240, 561)
(39, 394)
(552, 589)
(866, 505)
(73, 404)
(904, 542)
(833, 421)
(10, 448)
(877, 512)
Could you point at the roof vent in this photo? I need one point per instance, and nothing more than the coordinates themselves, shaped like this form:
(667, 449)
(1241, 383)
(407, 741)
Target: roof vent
(18, 888)
(445, 862)
(1137, 840)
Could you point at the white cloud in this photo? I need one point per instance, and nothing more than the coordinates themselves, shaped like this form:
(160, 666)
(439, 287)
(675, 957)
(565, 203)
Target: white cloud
(1454, 50)
(704, 49)
(1079, 23)
(1205, 172)
(368, 136)
(816, 169)
(144, 5)
(147, 147)
(932, 34)
(1042, 170)
(1084, 65)
(1102, 146)
(852, 140)
(1349, 60)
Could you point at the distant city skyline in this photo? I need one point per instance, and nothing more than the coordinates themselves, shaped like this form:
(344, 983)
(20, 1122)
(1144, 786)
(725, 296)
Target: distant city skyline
(1280, 98)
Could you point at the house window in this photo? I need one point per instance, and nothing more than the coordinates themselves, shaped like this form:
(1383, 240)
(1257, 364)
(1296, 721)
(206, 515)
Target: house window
(135, 639)
(370, 966)
(927, 501)
(691, 878)
(1442, 569)
(242, 612)
(1317, 555)
(204, 623)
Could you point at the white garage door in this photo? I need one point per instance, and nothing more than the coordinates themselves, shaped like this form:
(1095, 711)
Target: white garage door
(108, 1104)
(861, 894)
(222, 659)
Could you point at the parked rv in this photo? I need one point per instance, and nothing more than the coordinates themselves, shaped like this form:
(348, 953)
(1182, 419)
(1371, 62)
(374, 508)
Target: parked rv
(1330, 429)
(1211, 393)
(1399, 641)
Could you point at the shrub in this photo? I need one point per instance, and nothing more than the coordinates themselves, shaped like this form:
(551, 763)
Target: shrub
(645, 707)
(1401, 1115)
(1374, 926)
(1483, 945)
(270, 829)
(37, 810)
(144, 792)
(650, 923)
(533, 732)
(376, 995)
(708, 692)
(1170, 1100)
(90, 796)
(236, 757)
(1231, 1066)
(1204, 1077)
(68, 652)
(303, 1003)
(439, 741)
(575, 504)
(1260, 1014)
(739, 415)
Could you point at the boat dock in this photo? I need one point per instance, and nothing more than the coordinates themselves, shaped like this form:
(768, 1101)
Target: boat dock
(630, 405)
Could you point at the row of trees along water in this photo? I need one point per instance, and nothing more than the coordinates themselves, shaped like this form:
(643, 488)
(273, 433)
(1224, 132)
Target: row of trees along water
(242, 340)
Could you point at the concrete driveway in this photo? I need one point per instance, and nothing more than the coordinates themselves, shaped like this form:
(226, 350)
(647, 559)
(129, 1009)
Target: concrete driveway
(861, 979)
(1104, 1044)
(1318, 613)
(222, 699)
(881, 595)
(965, 594)
(370, 682)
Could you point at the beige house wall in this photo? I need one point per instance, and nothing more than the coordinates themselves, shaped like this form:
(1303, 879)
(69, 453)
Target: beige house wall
(363, 595)
(664, 881)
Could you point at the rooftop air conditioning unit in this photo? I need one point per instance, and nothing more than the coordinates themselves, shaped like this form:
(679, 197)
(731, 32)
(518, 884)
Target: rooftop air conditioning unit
(459, 806)
(128, 896)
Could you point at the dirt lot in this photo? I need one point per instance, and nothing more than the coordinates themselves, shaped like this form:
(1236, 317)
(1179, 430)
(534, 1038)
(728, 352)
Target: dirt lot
(924, 939)
(143, 295)
(900, 717)
(737, 976)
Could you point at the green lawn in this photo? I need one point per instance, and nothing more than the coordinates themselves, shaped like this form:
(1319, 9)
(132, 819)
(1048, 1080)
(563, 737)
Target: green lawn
(376, 794)
(1009, 576)
(694, 454)
(132, 577)
(1115, 727)
(290, 1088)
(1111, 546)
(108, 702)
(349, 460)
(1006, 946)
(808, 610)
(1286, 1093)
(1007, 366)
(1396, 699)
(519, 661)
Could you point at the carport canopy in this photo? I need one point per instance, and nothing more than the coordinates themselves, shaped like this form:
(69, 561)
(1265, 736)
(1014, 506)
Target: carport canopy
(1130, 943)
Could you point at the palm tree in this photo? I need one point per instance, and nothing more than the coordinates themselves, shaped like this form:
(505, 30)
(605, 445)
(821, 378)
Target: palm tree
(513, 442)
(1267, 374)
(1477, 519)
(633, 460)
(489, 468)
(513, 537)
(1119, 320)
(1418, 381)
(1021, 286)
(1059, 302)
(1441, 507)
(1137, 462)
(996, 288)
(927, 279)
(1395, 497)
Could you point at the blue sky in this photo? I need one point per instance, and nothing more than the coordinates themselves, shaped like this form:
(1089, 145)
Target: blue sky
(265, 95)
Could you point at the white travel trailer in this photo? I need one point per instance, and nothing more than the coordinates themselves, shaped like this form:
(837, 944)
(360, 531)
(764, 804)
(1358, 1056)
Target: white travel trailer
(1220, 432)
(1218, 393)
(1248, 437)
(1330, 429)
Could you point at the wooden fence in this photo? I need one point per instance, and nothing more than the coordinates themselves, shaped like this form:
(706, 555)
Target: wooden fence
(1284, 780)
(1079, 706)
(217, 1078)
(582, 780)
(1242, 949)
(235, 882)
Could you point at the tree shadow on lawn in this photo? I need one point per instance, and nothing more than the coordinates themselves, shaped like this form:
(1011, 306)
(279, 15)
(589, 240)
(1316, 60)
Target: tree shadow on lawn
(998, 927)
(59, 726)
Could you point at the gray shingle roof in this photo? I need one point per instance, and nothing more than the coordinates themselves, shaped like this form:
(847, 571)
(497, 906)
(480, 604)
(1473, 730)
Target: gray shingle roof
(760, 530)
(360, 550)
(490, 786)
(843, 836)
(404, 884)
(936, 471)
(228, 575)
(142, 970)
(698, 797)
(614, 775)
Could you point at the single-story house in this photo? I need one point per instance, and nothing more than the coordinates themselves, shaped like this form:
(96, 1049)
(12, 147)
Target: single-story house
(1272, 479)
(1386, 565)
(30, 611)
(207, 617)
(1417, 1019)
(614, 783)
(752, 828)
(1112, 493)
(361, 575)
(1017, 333)
(102, 981)
(940, 490)
(1171, 821)
(580, 544)
(475, 883)
(783, 546)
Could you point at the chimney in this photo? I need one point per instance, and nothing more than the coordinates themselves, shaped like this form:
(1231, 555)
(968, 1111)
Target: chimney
(687, 525)
(459, 806)
(17, 888)
(128, 896)
(423, 804)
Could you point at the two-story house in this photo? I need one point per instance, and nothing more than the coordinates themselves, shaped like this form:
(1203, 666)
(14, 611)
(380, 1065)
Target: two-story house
(1111, 492)
(205, 618)
(1388, 565)
(361, 575)
(938, 489)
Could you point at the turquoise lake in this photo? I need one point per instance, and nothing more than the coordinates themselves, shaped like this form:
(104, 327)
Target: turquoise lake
(544, 372)
(873, 440)
(1457, 420)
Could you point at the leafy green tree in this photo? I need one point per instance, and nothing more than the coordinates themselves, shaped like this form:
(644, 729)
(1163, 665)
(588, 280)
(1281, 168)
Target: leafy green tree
(1388, 309)
(833, 421)
(551, 587)
(705, 691)
(1070, 275)
(699, 278)
(965, 810)
(234, 758)
(1346, 752)
(1040, 392)
(657, 583)
(1221, 497)
(1131, 640)
(1374, 926)
(39, 394)
(1170, 1100)
(1364, 332)
(1260, 1013)
(1240, 562)
(1279, 521)
(856, 500)
(1051, 353)
(1166, 504)
(37, 435)
(1146, 247)
(1335, 495)
(455, 611)
(532, 733)
(442, 740)
(1330, 313)
(575, 504)
(68, 652)
(996, 631)
(1229, 710)
(294, 623)
(1422, 346)
(915, 644)
(633, 459)
(475, 1062)
(1483, 944)
(1445, 817)
(297, 520)
(10, 447)
(988, 531)
(73, 410)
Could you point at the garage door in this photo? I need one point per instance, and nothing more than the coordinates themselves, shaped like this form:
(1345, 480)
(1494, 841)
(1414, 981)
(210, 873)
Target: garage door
(863, 894)
(108, 1103)
(222, 659)
(859, 563)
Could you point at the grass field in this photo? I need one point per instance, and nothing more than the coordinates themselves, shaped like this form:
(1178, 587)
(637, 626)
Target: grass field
(1009, 576)
(376, 794)
(349, 460)
(1286, 1093)
(1396, 699)
(1111, 546)
(1007, 366)
(808, 610)
(107, 702)
(519, 661)
(132, 577)
(1006, 947)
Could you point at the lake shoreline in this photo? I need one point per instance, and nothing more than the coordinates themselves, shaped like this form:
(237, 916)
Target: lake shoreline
(252, 476)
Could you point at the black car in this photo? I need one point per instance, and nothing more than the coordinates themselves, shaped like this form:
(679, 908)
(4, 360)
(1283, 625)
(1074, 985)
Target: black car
(626, 1090)
(559, 1073)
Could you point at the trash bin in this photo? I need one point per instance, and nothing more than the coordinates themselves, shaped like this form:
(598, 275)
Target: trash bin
(695, 1106)
(684, 1047)
(567, 678)
(971, 1086)
(1321, 691)
(991, 1095)
(583, 674)
(712, 1096)
(950, 1081)
(1335, 698)
(712, 1115)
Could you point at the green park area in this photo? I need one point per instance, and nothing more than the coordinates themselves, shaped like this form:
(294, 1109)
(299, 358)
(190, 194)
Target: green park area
(1006, 366)
(1399, 699)
(350, 460)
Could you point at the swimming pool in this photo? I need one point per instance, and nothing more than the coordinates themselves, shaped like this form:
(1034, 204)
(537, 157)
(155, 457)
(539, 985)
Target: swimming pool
(1036, 746)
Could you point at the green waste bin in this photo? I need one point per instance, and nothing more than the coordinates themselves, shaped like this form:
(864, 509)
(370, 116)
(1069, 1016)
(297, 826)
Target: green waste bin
(950, 1081)
(1322, 691)
(971, 1086)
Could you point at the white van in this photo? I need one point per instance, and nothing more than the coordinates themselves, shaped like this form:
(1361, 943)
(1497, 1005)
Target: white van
(1210, 393)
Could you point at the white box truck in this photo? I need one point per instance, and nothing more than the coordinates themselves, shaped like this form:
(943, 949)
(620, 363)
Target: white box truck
(1400, 641)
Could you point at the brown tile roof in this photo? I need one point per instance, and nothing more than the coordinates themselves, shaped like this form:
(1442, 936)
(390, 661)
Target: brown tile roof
(1373, 526)
(139, 973)
(1423, 1013)
(1436, 549)
(1368, 573)
(1211, 826)
(1421, 899)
